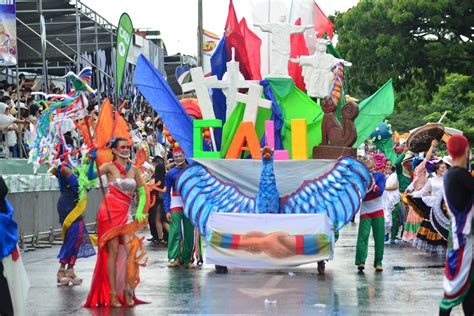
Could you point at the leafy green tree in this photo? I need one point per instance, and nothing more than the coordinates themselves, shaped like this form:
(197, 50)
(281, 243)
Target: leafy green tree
(414, 42)
(406, 39)
(457, 99)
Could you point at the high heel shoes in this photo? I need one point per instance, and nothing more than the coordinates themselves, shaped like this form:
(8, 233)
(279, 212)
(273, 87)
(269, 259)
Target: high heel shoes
(62, 278)
(73, 277)
(114, 301)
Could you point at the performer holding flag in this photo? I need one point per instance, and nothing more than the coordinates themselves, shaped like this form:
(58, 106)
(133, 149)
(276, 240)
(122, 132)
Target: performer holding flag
(117, 245)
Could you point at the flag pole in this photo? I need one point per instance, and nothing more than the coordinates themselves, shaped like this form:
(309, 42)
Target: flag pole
(268, 41)
(201, 59)
(291, 13)
(442, 117)
(200, 34)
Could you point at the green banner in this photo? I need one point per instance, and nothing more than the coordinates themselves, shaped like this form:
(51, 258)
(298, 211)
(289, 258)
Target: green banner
(373, 110)
(124, 38)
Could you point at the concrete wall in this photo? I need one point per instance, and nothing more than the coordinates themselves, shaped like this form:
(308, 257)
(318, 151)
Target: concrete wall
(36, 212)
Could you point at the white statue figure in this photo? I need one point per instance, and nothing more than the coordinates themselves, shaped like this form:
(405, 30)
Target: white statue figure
(317, 69)
(281, 33)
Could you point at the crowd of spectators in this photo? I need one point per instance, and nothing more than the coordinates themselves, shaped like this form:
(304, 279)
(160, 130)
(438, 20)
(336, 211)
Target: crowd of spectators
(16, 112)
(19, 115)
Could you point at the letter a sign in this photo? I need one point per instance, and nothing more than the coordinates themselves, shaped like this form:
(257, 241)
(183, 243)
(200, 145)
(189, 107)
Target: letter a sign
(124, 37)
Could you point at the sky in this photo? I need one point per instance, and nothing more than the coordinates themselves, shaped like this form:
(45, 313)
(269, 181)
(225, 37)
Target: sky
(177, 19)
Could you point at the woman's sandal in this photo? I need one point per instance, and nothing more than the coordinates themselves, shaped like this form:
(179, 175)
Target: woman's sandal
(128, 298)
(114, 301)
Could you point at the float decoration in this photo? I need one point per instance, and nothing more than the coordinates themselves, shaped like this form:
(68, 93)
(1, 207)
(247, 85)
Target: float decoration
(337, 194)
(337, 139)
(381, 137)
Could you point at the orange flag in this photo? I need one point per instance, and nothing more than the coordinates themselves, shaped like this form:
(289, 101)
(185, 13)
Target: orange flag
(109, 125)
(82, 126)
(121, 128)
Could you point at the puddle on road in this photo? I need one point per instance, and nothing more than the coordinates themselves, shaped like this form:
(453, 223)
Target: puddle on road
(399, 268)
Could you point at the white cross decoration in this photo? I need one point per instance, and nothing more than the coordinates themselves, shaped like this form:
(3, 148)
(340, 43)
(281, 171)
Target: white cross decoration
(201, 85)
(252, 102)
(231, 82)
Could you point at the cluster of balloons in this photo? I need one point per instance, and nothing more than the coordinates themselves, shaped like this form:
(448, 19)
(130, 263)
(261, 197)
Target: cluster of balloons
(173, 143)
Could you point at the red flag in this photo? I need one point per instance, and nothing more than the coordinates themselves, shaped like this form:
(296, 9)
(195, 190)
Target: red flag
(252, 46)
(321, 23)
(235, 39)
(298, 48)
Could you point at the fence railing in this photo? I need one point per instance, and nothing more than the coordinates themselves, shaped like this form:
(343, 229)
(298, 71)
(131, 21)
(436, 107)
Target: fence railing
(38, 220)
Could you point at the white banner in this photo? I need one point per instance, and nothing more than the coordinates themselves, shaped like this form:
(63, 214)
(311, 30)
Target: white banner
(268, 241)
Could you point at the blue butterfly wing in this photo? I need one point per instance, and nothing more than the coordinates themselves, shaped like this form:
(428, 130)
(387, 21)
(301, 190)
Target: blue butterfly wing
(204, 194)
(338, 193)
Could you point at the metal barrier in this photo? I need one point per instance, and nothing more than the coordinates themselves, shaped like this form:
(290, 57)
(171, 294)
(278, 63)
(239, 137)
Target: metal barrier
(38, 220)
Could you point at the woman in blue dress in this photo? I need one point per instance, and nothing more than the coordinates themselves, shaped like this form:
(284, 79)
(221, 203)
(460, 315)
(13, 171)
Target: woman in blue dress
(76, 242)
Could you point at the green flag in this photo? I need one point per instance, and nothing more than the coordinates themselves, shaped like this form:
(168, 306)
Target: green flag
(124, 38)
(295, 104)
(374, 110)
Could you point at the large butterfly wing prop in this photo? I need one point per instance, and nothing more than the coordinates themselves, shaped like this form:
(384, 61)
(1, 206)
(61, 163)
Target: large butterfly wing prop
(204, 194)
(338, 193)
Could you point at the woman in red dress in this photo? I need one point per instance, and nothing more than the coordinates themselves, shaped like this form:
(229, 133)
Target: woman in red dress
(119, 250)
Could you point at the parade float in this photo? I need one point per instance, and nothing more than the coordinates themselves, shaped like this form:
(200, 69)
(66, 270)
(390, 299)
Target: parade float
(273, 175)
(276, 176)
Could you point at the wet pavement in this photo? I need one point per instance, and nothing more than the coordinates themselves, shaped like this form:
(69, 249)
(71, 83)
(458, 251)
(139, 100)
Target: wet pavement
(411, 283)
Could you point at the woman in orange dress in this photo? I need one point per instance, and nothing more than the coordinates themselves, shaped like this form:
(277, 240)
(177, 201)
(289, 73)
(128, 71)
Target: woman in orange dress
(116, 272)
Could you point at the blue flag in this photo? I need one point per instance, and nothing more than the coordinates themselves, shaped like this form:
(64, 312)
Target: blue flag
(218, 68)
(158, 93)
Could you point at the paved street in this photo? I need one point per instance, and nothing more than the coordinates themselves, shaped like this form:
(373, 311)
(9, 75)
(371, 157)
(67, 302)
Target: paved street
(410, 284)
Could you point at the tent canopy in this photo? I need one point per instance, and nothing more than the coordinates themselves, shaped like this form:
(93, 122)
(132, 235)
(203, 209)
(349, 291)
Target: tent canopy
(65, 22)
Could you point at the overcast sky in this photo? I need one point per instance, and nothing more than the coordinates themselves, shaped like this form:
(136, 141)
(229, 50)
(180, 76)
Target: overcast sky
(177, 19)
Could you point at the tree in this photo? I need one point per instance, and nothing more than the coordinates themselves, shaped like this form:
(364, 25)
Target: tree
(403, 40)
(414, 42)
(456, 97)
